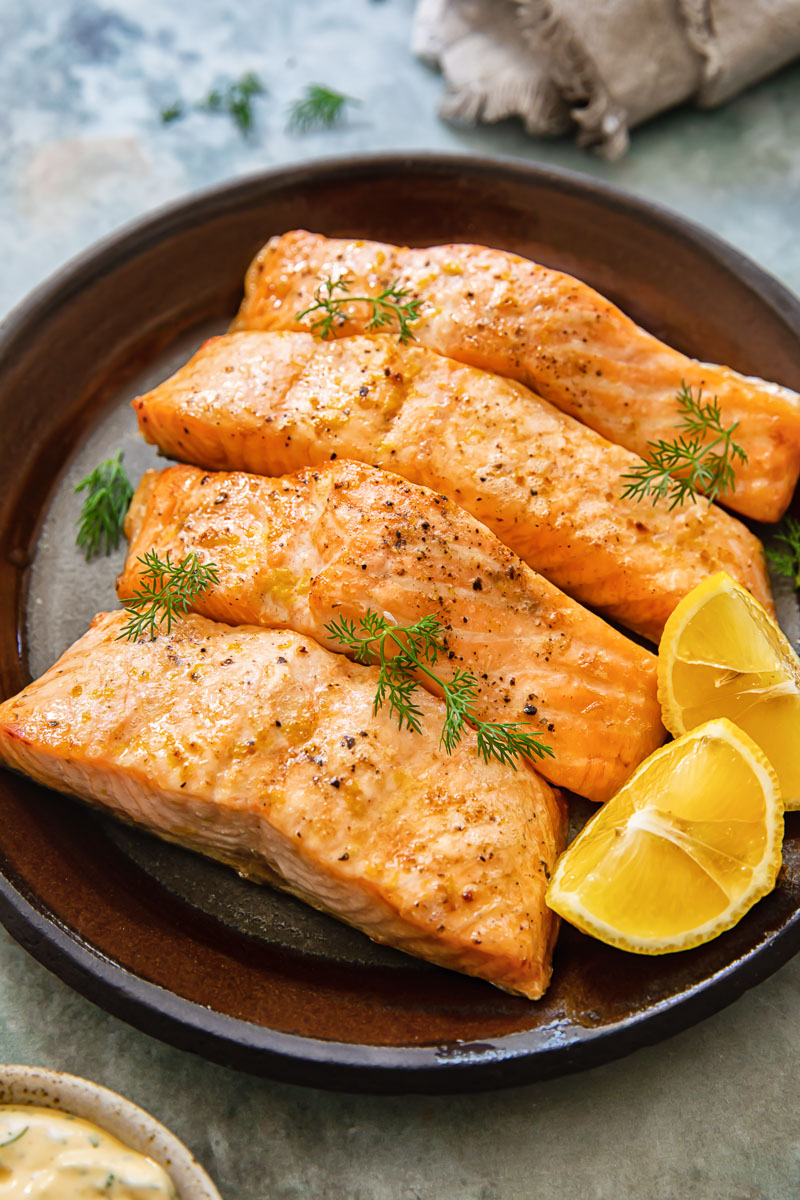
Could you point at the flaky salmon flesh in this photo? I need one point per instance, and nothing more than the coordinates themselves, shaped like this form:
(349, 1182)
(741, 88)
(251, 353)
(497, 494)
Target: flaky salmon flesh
(304, 549)
(498, 311)
(548, 486)
(260, 748)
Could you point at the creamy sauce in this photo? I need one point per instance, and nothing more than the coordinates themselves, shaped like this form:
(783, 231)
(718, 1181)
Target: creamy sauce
(49, 1155)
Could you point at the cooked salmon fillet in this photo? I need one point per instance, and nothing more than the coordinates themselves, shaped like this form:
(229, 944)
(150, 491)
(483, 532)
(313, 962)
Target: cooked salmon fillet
(498, 311)
(301, 550)
(544, 484)
(260, 748)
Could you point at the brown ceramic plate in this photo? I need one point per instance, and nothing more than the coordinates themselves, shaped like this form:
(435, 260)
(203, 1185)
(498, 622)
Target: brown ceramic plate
(179, 946)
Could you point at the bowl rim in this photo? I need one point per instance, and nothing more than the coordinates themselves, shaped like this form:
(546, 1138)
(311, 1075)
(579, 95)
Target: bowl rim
(23, 1085)
(501, 1062)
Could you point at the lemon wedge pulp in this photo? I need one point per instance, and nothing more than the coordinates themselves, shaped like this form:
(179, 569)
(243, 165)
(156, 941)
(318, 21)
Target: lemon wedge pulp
(682, 851)
(722, 655)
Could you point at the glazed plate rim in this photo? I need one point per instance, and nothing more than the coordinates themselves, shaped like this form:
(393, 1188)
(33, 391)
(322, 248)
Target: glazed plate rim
(506, 1060)
(293, 1058)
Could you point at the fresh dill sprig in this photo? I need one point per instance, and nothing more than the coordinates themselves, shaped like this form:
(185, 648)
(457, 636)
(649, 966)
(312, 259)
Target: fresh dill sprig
(166, 591)
(388, 306)
(318, 108)
(787, 561)
(677, 471)
(14, 1137)
(416, 649)
(235, 100)
(102, 515)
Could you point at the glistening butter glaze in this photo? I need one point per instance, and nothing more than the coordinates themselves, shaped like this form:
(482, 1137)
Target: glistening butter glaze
(51, 1155)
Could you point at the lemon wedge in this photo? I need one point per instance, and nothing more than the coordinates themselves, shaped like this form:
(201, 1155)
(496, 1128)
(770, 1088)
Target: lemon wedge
(683, 849)
(721, 655)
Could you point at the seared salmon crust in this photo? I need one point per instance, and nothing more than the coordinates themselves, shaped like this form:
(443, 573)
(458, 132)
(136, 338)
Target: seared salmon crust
(303, 549)
(496, 310)
(547, 486)
(260, 748)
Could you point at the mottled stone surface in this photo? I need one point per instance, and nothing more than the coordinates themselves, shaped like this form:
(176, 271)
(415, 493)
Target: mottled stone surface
(710, 1115)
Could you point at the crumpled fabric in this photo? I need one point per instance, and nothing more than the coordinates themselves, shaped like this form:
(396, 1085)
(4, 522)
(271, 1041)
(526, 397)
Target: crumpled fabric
(598, 67)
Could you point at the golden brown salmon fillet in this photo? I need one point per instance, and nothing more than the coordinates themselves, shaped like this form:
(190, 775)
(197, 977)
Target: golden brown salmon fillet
(498, 311)
(260, 748)
(547, 486)
(301, 550)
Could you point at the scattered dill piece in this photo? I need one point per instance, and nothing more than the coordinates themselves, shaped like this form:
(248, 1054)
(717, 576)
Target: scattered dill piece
(388, 306)
(676, 471)
(403, 650)
(213, 102)
(318, 108)
(239, 102)
(14, 1137)
(166, 591)
(108, 495)
(235, 101)
(786, 559)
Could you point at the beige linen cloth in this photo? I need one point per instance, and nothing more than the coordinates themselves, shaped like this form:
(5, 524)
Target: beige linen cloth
(599, 66)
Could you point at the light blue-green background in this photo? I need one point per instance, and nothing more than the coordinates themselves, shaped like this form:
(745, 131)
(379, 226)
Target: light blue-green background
(712, 1114)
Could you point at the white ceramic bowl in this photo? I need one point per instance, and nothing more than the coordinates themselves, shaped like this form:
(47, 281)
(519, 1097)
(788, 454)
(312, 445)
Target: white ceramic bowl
(118, 1116)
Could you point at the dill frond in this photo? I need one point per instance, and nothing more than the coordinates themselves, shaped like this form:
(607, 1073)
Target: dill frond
(390, 305)
(166, 592)
(319, 107)
(403, 651)
(108, 495)
(676, 471)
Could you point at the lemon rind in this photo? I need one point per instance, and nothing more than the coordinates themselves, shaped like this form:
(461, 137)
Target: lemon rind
(677, 620)
(572, 909)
